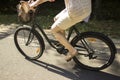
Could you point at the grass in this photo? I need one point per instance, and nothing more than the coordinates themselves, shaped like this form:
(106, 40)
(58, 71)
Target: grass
(109, 27)
(8, 19)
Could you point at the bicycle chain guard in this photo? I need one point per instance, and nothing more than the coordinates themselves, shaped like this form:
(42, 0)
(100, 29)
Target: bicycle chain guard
(59, 47)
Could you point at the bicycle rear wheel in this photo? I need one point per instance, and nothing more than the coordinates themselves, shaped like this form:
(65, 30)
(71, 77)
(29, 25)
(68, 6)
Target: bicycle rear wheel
(29, 43)
(95, 50)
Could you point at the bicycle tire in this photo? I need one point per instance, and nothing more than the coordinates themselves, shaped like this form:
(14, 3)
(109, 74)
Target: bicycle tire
(103, 38)
(35, 36)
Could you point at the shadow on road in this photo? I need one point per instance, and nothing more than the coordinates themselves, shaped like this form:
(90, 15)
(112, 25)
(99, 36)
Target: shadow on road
(78, 74)
(118, 50)
(3, 35)
(6, 33)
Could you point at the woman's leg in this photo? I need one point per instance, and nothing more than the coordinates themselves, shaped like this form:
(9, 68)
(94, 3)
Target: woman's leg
(63, 22)
(58, 33)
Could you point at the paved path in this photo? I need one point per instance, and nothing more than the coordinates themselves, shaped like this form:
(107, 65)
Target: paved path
(51, 66)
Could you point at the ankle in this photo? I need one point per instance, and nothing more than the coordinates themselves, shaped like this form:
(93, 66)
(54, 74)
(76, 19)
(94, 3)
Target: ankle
(73, 52)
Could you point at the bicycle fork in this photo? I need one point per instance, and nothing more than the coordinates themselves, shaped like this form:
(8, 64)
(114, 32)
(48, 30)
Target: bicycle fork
(90, 51)
(30, 37)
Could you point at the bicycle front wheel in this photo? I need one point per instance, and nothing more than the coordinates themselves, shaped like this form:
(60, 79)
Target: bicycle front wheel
(29, 43)
(95, 50)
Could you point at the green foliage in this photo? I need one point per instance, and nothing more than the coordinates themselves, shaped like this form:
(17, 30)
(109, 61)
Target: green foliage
(102, 9)
(8, 6)
(8, 19)
(108, 27)
(107, 9)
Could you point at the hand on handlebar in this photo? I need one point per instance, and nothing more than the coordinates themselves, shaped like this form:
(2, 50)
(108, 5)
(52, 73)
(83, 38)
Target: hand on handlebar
(33, 3)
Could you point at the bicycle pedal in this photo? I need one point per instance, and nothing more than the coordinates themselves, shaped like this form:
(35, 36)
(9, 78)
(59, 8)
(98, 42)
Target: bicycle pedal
(56, 43)
(62, 50)
(65, 52)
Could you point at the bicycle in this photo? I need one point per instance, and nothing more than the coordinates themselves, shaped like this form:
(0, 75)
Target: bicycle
(96, 51)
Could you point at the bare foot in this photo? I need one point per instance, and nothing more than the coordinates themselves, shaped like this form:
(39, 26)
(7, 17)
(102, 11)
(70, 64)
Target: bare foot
(70, 56)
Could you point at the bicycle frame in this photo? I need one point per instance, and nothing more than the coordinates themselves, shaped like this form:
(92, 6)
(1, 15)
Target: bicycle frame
(35, 25)
(70, 31)
(33, 43)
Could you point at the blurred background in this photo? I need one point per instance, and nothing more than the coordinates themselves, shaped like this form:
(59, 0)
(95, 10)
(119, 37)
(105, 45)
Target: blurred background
(105, 15)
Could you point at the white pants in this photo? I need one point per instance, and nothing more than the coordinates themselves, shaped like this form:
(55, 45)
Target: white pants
(64, 21)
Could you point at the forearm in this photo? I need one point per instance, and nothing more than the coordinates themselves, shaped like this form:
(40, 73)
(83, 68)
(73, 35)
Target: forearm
(37, 2)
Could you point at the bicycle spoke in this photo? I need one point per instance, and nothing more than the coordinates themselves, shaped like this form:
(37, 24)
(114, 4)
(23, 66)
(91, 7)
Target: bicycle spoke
(94, 52)
(28, 43)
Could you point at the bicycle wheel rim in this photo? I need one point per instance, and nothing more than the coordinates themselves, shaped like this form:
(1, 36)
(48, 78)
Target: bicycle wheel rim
(93, 36)
(30, 49)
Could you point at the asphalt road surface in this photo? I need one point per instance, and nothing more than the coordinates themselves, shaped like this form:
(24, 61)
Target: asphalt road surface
(51, 66)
